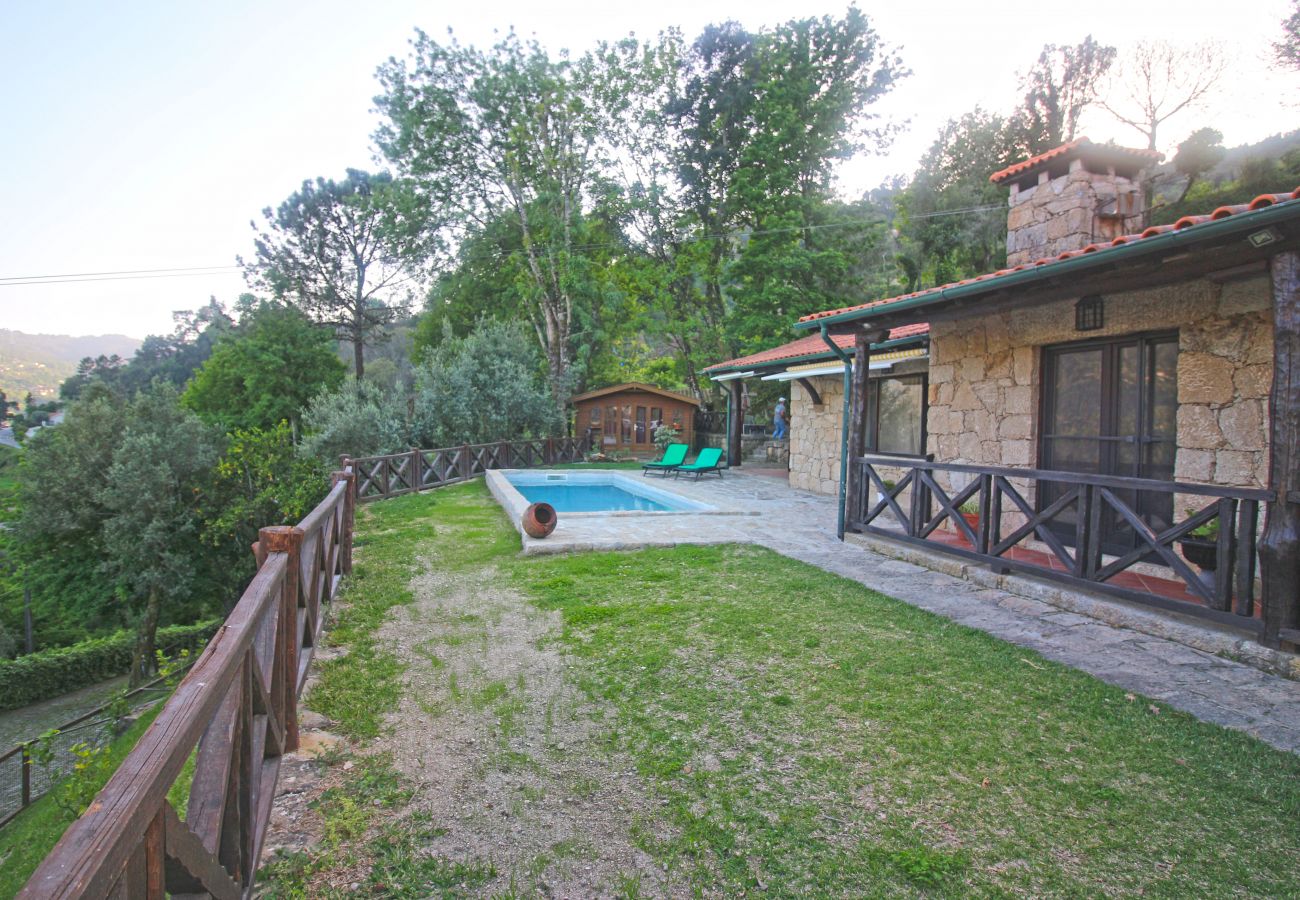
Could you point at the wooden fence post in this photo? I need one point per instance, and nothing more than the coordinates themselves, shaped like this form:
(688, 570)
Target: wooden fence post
(504, 455)
(288, 539)
(27, 775)
(549, 458)
(416, 472)
(465, 466)
(349, 520)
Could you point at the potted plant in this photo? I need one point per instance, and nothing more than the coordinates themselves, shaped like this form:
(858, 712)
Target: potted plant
(1201, 545)
(970, 511)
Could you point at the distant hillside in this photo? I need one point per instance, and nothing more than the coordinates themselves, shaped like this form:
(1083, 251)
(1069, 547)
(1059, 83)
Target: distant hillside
(40, 362)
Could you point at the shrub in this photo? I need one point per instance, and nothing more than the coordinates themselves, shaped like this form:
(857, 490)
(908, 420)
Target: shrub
(482, 388)
(359, 419)
(49, 673)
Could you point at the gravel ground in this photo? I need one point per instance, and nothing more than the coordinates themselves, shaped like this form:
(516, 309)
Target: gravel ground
(503, 750)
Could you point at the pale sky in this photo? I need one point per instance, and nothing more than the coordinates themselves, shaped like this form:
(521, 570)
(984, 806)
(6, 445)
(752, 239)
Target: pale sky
(145, 135)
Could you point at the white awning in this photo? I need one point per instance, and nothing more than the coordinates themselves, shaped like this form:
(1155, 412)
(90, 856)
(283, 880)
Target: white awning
(879, 362)
(731, 376)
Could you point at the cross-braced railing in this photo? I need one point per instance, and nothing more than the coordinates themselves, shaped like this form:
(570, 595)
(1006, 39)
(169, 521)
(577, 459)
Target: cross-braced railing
(380, 477)
(236, 713)
(1071, 526)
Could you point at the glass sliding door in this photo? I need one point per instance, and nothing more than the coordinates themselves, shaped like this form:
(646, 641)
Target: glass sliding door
(1109, 408)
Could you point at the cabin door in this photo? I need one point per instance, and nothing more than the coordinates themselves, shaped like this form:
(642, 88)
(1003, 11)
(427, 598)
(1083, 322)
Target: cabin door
(1110, 408)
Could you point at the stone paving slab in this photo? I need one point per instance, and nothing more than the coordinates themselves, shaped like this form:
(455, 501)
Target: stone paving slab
(1092, 637)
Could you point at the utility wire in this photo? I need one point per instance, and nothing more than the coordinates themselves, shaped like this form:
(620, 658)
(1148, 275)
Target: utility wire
(115, 277)
(198, 271)
(121, 272)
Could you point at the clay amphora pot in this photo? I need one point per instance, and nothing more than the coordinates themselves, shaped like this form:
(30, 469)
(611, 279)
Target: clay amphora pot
(539, 520)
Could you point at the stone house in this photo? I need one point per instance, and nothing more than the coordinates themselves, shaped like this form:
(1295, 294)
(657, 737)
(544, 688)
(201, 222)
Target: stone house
(815, 377)
(1118, 408)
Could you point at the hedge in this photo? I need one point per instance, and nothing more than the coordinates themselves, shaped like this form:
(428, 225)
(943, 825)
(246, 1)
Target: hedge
(49, 673)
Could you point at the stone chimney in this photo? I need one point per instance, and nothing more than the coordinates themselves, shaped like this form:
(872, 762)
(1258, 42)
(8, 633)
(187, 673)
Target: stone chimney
(1081, 193)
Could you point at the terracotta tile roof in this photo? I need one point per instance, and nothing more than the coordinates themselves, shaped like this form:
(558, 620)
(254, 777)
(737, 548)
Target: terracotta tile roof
(1085, 148)
(1223, 212)
(812, 345)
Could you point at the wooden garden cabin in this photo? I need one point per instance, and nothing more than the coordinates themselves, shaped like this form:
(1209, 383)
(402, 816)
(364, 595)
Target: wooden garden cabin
(622, 417)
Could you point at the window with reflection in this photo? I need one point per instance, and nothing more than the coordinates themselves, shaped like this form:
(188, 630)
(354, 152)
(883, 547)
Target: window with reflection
(897, 415)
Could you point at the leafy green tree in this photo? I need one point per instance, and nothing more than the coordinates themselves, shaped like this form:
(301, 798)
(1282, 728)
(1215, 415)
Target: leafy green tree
(107, 524)
(1057, 89)
(104, 369)
(483, 387)
(712, 115)
(60, 537)
(266, 371)
(346, 253)
(952, 220)
(810, 85)
(1201, 152)
(509, 133)
(172, 358)
(359, 418)
(260, 479)
(151, 495)
(481, 283)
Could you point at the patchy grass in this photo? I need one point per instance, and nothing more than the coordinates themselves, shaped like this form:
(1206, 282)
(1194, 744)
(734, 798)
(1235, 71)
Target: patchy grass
(369, 841)
(807, 736)
(463, 527)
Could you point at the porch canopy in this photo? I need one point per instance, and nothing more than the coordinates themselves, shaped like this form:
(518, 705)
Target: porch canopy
(1249, 240)
(805, 358)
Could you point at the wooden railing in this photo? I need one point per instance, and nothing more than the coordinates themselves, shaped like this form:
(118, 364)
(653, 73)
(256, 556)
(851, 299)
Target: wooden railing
(236, 712)
(913, 507)
(380, 477)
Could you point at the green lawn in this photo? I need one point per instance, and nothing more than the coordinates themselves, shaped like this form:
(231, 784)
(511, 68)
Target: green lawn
(804, 735)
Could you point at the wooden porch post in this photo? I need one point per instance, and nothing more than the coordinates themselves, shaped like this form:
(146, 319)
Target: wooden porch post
(1279, 549)
(858, 417)
(735, 424)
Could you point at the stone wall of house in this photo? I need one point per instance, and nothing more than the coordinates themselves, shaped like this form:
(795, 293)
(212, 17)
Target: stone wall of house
(815, 435)
(815, 431)
(1070, 212)
(984, 377)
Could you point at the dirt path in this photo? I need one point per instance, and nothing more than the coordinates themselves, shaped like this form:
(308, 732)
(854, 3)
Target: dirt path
(505, 749)
(507, 758)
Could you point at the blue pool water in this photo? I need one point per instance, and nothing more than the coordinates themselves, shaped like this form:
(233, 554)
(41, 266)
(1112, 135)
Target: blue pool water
(578, 497)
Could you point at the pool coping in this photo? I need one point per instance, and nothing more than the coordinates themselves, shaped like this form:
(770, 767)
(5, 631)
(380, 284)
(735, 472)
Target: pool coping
(514, 504)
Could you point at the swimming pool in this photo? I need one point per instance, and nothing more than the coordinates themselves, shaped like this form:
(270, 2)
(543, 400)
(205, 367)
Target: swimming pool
(571, 498)
(598, 492)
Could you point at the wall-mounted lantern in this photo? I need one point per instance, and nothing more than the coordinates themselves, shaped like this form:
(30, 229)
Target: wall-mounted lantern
(1089, 313)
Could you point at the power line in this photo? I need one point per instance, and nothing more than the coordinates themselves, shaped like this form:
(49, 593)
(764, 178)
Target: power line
(119, 272)
(199, 271)
(54, 279)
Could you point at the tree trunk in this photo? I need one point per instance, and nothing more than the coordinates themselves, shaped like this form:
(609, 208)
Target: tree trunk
(142, 661)
(359, 356)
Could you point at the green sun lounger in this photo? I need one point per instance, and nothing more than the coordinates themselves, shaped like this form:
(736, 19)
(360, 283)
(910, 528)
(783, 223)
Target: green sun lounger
(707, 461)
(674, 456)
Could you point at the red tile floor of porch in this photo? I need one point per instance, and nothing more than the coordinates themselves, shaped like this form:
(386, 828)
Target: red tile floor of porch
(1170, 588)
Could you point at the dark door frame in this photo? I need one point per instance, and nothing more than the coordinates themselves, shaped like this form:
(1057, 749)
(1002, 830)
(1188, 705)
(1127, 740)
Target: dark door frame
(1108, 440)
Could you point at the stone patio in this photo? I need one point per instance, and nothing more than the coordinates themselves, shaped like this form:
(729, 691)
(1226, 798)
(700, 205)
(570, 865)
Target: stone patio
(1215, 674)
